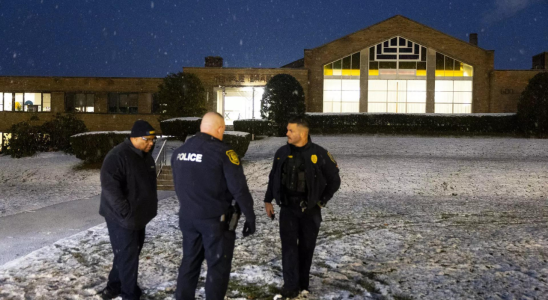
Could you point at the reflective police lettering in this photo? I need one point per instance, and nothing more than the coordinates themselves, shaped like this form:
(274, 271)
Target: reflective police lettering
(189, 157)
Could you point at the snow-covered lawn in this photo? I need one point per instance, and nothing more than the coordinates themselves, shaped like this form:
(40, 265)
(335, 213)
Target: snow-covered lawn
(415, 218)
(42, 180)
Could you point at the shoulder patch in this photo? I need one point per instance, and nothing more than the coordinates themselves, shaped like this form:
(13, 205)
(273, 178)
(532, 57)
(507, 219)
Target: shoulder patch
(314, 158)
(331, 157)
(233, 157)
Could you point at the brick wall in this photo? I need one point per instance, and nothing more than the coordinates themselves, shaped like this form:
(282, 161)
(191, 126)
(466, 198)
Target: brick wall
(506, 88)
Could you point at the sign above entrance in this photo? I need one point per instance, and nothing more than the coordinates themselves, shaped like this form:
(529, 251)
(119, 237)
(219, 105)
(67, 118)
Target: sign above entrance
(242, 78)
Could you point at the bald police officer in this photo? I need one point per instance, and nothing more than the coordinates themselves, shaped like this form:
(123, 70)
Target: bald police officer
(303, 179)
(208, 176)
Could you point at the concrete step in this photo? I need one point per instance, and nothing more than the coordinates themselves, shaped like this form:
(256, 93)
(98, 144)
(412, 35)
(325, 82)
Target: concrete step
(166, 188)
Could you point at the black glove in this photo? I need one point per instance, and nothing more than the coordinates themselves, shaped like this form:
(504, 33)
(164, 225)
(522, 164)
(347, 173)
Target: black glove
(249, 228)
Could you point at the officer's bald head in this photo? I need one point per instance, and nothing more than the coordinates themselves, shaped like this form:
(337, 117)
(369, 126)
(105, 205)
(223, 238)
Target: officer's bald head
(213, 124)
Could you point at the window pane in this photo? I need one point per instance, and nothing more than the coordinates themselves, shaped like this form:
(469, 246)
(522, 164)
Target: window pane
(376, 107)
(416, 108)
(356, 61)
(397, 85)
(376, 96)
(467, 71)
(391, 107)
(332, 85)
(112, 103)
(444, 85)
(327, 106)
(350, 85)
(351, 96)
(416, 97)
(416, 85)
(444, 97)
(350, 107)
(46, 105)
(337, 68)
(19, 102)
(336, 106)
(387, 65)
(378, 85)
(333, 96)
(346, 66)
(462, 108)
(463, 97)
(443, 108)
(463, 85)
(328, 70)
(8, 102)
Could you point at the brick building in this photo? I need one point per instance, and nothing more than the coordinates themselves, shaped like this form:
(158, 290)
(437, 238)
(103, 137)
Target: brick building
(397, 65)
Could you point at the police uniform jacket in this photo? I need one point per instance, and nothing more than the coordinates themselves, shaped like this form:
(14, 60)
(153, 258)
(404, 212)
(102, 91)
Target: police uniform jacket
(128, 187)
(208, 175)
(321, 175)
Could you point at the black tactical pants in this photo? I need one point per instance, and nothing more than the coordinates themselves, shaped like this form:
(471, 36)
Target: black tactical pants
(209, 239)
(298, 232)
(126, 245)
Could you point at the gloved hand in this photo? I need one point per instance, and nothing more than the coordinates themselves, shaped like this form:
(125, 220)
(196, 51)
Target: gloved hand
(249, 228)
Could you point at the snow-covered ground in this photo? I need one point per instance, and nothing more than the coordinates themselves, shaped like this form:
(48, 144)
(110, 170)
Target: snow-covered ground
(415, 218)
(42, 180)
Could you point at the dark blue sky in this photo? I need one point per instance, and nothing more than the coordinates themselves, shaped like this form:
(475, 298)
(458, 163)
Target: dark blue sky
(136, 38)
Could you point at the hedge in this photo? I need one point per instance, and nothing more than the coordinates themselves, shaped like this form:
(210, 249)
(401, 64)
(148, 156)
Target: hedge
(92, 147)
(238, 140)
(455, 124)
(254, 126)
(180, 127)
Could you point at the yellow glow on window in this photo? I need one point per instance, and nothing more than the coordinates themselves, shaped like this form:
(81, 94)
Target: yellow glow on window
(468, 70)
(373, 72)
(421, 72)
(346, 72)
(354, 72)
(328, 72)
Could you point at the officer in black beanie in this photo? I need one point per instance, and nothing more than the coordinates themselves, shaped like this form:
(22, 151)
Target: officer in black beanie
(303, 179)
(128, 202)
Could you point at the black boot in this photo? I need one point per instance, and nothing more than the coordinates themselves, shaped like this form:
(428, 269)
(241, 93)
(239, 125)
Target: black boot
(107, 293)
(289, 293)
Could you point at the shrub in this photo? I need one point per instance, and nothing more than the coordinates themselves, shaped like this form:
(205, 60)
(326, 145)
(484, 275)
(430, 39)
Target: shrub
(533, 107)
(283, 98)
(26, 139)
(181, 95)
(239, 141)
(180, 127)
(92, 147)
(254, 126)
(469, 124)
(61, 128)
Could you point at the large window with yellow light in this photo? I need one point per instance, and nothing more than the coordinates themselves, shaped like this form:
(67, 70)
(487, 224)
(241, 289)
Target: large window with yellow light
(454, 85)
(341, 85)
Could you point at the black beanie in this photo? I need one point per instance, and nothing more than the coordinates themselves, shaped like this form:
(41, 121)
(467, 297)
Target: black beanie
(142, 128)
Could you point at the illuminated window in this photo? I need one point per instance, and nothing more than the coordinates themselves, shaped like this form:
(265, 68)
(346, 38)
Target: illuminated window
(79, 102)
(397, 58)
(341, 86)
(240, 103)
(397, 96)
(123, 103)
(28, 102)
(449, 67)
(453, 86)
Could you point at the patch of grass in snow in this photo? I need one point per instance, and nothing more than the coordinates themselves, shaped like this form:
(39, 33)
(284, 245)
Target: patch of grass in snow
(252, 291)
(369, 286)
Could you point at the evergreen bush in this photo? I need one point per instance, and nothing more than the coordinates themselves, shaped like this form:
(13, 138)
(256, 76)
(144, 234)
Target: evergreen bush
(239, 141)
(181, 95)
(533, 107)
(92, 147)
(283, 98)
(254, 126)
(61, 128)
(180, 127)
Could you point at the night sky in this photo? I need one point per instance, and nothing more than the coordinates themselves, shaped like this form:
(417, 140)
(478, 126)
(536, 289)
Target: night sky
(136, 38)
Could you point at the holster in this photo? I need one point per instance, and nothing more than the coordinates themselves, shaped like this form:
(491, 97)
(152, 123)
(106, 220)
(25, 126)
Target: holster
(232, 216)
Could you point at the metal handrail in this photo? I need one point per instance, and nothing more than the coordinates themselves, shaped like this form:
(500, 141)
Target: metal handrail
(161, 158)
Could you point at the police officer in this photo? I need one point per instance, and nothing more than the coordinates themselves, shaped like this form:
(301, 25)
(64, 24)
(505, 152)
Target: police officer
(303, 179)
(128, 202)
(208, 176)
